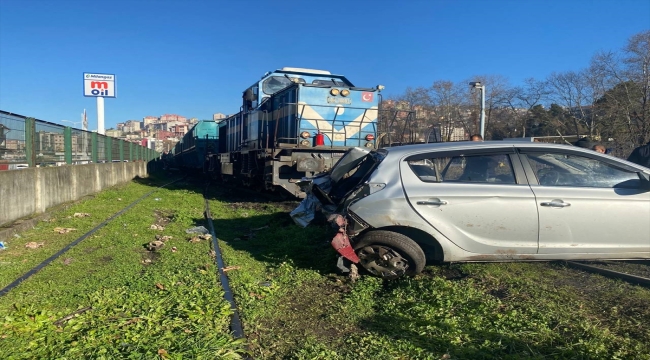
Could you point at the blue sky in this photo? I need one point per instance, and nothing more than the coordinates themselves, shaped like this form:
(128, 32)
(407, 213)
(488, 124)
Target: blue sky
(195, 57)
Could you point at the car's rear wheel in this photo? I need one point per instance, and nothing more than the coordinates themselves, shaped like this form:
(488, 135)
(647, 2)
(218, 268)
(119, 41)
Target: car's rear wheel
(389, 255)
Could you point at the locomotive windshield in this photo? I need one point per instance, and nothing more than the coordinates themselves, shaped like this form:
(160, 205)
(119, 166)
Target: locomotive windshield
(275, 84)
(332, 82)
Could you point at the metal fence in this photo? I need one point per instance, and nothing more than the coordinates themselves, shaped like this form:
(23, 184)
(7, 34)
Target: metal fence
(28, 142)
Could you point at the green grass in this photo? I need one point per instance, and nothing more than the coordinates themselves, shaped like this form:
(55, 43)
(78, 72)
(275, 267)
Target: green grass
(292, 304)
(139, 304)
(471, 311)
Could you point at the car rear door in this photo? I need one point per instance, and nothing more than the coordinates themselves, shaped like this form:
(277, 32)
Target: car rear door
(587, 204)
(478, 199)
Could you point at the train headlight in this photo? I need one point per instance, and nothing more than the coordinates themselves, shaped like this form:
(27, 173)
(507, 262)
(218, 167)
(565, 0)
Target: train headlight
(368, 144)
(370, 137)
(345, 92)
(305, 134)
(305, 143)
(334, 92)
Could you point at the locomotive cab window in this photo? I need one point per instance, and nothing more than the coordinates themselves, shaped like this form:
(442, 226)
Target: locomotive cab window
(275, 84)
(332, 82)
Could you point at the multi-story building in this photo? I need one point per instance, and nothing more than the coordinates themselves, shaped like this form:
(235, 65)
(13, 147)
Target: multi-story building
(113, 133)
(179, 129)
(218, 116)
(132, 126)
(149, 120)
(172, 117)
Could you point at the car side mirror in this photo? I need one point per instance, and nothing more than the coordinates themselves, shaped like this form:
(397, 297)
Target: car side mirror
(645, 180)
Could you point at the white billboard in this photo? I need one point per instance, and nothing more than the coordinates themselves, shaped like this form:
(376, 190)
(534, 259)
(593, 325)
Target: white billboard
(99, 85)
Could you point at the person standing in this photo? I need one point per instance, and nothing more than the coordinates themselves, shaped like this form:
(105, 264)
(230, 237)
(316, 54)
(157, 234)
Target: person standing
(641, 155)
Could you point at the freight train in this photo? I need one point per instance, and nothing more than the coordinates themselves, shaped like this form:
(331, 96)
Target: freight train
(293, 123)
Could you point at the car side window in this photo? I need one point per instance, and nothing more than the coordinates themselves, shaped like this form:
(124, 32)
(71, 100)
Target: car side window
(557, 169)
(471, 169)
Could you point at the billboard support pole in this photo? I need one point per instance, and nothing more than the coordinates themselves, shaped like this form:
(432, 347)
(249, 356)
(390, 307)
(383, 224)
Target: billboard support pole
(100, 115)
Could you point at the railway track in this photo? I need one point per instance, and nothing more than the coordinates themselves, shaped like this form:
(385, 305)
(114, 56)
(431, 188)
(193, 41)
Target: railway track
(638, 273)
(235, 322)
(65, 249)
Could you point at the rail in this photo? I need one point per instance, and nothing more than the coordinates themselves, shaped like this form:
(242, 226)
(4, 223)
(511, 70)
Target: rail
(634, 279)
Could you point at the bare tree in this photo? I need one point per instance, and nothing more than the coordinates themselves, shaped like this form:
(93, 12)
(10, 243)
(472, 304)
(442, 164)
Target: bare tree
(449, 100)
(637, 63)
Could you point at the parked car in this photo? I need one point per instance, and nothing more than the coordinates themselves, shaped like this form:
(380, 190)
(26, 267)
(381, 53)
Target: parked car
(399, 208)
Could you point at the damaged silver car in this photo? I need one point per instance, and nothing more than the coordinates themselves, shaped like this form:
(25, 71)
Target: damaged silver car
(398, 209)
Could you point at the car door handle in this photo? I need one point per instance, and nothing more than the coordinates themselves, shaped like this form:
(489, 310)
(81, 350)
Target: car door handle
(555, 204)
(438, 202)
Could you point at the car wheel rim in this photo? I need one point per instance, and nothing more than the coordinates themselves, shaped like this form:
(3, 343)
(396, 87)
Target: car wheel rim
(383, 261)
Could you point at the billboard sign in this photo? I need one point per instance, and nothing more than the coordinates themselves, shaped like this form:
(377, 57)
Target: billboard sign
(99, 85)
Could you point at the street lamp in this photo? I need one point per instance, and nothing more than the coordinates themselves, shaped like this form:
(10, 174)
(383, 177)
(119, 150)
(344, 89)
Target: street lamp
(481, 88)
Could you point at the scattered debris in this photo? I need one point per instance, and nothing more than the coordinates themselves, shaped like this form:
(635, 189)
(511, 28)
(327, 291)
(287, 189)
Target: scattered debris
(163, 353)
(257, 296)
(244, 214)
(34, 245)
(67, 261)
(160, 286)
(251, 232)
(174, 249)
(305, 212)
(155, 245)
(157, 199)
(236, 239)
(228, 268)
(164, 238)
(3, 245)
(197, 230)
(63, 230)
(354, 273)
(156, 227)
(17, 236)
(146, 261)
(80, 215)
(198, 238)
(212, 253)
(265, 284)
(68, 317)
(119, 199)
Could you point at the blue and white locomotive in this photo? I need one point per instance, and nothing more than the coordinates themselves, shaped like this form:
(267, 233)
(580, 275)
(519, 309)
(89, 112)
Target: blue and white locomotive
(293, 123)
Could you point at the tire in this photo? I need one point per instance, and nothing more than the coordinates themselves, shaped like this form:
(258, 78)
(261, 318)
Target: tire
(389, 255)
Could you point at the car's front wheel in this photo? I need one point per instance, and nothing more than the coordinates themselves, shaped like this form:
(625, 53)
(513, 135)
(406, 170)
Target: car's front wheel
(389, 255)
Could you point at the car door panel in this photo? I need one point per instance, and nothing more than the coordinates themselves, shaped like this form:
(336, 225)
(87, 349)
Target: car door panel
(603, 212)
(485, 218)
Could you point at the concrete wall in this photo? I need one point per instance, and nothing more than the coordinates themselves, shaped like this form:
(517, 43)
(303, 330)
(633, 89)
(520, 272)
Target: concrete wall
(32, 191)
